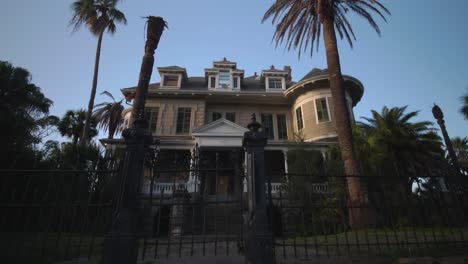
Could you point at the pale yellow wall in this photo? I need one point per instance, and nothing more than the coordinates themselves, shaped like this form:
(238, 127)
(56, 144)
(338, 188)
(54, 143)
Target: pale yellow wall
(168, 114)
(313, 130)
(202, 114)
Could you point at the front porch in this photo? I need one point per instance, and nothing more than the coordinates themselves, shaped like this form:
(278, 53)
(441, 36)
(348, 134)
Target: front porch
(213, 163)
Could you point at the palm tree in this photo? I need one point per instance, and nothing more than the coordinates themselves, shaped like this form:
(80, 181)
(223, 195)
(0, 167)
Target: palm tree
(72, 124)
(109, 115)
(460, 146)
(399, 146)
(98, 16)
(464, 108)
(300, 24)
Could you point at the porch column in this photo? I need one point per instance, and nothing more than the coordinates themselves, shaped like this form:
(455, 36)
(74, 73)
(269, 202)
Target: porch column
(285, 157)
(193, 181)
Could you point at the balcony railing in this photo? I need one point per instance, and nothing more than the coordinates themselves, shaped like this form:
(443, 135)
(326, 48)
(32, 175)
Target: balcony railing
(168, 187)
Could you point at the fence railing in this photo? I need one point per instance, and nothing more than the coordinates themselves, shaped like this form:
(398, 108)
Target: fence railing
(50, 216)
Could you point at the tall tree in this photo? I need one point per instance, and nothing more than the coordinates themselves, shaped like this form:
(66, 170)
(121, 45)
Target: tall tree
(24, 111)
(72, 124)
(300, 24)
(98, 16)
(109, 115)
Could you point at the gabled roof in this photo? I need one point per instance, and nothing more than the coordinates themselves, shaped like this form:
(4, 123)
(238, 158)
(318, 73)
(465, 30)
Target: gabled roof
(221, 127)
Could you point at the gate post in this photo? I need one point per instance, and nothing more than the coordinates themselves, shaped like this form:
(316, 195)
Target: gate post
(258, 240)
(121, 241)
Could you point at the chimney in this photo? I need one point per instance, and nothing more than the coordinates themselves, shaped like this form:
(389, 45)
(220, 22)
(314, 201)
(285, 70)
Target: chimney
(272, 67)
(288, 69)
(255, 76)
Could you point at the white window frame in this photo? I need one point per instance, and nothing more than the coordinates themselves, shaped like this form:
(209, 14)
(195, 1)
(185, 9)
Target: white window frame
(267, 83)
(328, 110)
(190, 123)
(238, 82)
(302, 118)
(163, 77)
(286, 124)
(209, 81)
(218, 86)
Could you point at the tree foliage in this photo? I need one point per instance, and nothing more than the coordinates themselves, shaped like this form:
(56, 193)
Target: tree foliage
(98, 16)
(24, 111)
(391, 144)
(460, 146)
(464, 108)
(109, 115)
(72, 124)
(299, 22)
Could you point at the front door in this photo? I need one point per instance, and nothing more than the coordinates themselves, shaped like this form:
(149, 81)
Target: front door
(222, 184)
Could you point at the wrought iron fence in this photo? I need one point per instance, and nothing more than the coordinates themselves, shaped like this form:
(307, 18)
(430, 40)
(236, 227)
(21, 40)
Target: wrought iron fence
(417, 216)
(49, 216)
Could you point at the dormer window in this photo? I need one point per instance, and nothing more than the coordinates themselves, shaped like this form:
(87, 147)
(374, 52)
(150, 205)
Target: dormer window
(171, 80)
(224, 76)
(172, 76)
(275, 83)
(235, 82)
(212, 81)
(224, 79)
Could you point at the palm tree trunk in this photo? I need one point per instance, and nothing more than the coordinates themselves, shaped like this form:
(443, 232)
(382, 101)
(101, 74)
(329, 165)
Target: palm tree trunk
(155, 29)
(360, 215)
(84, 139)
(111, 132)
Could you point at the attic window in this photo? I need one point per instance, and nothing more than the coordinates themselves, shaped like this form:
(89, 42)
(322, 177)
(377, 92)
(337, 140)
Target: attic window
(212, 82)
(275, 83)
(224, 80)
(235, 82)
(171, 80)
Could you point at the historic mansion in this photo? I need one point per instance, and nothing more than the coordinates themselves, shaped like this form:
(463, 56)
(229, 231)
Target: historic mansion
(211, 112)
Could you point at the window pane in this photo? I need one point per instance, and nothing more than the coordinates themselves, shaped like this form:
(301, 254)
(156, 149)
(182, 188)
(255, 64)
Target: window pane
(322, 110)
(267, 124)
(235, 82)
(215, 116)
(171, 80)
(151, 116)
(231, 117)
(282, 130)
(300, 125)
(183, 120)
(275, 83)
(224, 79)
(212, 82)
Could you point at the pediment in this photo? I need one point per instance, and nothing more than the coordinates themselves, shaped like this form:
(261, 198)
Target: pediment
(220, 128)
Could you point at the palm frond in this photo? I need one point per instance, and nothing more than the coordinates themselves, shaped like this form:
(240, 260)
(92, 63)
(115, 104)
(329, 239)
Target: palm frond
(298, 22)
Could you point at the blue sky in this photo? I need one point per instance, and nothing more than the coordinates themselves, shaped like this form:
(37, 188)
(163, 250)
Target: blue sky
(421, 57)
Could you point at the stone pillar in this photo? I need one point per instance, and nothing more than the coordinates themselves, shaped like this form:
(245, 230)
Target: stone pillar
(258, 241)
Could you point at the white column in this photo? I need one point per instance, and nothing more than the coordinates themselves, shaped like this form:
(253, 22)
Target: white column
(285, 157)
(190, 184)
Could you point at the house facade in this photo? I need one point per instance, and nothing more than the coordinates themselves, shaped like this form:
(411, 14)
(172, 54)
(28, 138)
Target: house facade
(210, 114)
